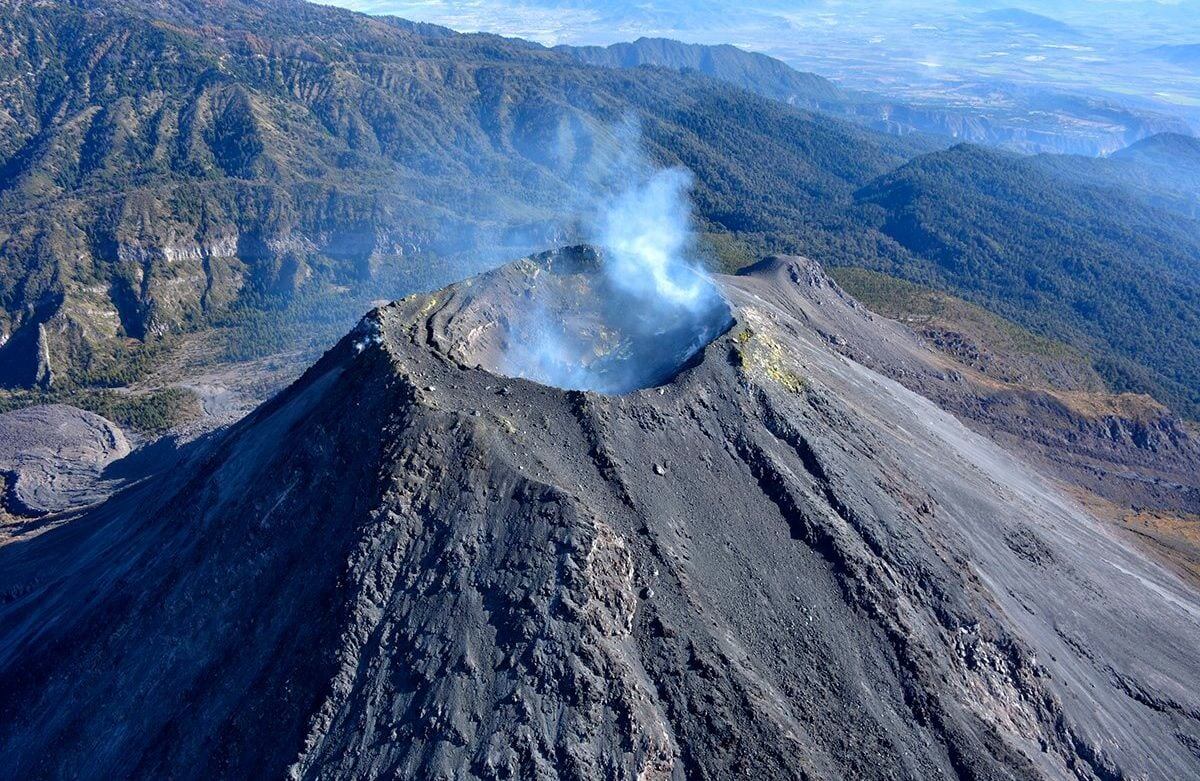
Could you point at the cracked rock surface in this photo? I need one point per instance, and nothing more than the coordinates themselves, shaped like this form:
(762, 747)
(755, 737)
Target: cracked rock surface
(779, 564)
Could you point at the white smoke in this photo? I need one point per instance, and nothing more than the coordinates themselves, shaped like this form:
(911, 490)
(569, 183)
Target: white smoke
(647, 236)
(653, 306)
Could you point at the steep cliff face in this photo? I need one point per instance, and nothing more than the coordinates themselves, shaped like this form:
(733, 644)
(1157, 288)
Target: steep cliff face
(778, 563)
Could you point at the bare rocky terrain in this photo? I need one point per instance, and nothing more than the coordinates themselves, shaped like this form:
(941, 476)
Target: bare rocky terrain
(777, 563)
(1124, 447)
(53, 458)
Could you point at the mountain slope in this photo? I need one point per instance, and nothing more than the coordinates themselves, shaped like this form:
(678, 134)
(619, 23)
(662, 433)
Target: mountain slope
(1041, 399)
(1163, 149)
(1163, 170)
(752, 71)
(1026, 20)
(162, 163)
(1183, 55)
(445, 572)
(1090, 265)
(1166, 165)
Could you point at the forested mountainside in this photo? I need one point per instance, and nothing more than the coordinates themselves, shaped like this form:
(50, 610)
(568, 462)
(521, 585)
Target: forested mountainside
(1093, 265)
(1163, 170)
(1164, 149)
(162, 162)
(171, 165)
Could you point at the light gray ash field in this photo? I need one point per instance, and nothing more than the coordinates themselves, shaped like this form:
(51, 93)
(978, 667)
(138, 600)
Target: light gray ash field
(776, 563)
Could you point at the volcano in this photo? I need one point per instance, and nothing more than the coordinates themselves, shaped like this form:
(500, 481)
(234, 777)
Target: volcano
(765, 561)
(576, 326)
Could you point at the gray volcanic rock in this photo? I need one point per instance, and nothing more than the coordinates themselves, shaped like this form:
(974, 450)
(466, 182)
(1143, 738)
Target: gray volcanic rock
(1126, 449)
(54, 456)
(556, 318)
(778, 564)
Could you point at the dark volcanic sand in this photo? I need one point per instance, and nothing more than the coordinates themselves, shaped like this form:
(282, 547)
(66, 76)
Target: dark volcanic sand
(779, 564)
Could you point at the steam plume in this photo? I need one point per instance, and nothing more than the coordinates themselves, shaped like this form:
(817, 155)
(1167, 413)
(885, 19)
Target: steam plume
(647, 236)
(648, 308)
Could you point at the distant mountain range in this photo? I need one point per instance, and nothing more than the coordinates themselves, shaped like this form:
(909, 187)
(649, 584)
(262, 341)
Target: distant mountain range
(1026, 119)
(981, 71)
(171, 167)
(1029, 21)
(758, 73)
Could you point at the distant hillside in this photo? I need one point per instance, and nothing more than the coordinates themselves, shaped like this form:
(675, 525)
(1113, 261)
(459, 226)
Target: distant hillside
(972, 335)
(1030, 21)
(1165, 149)
(1036, 120)
(1091, 265)
(1167, 164)
(1162, 170)
(164, 164)
(758, 73)
(1183, 55)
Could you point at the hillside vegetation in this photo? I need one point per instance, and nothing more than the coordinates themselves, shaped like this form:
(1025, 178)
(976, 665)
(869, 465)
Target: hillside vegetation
(1092, 266)
(972, 335)
(273, 167)
(163, 164)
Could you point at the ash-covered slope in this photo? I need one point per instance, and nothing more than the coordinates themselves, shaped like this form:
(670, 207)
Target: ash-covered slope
(777, 564)
(1124, 447)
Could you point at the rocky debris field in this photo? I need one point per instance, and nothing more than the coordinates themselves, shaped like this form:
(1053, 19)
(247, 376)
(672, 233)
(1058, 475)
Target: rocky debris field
(53, 458)
(779, 563)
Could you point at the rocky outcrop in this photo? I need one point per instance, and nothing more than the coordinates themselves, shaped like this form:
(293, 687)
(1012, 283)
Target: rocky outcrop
(777, 563)
(25, 358)
(43, 375)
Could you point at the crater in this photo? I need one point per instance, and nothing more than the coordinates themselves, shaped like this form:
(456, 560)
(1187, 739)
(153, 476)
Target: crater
(565, 318)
